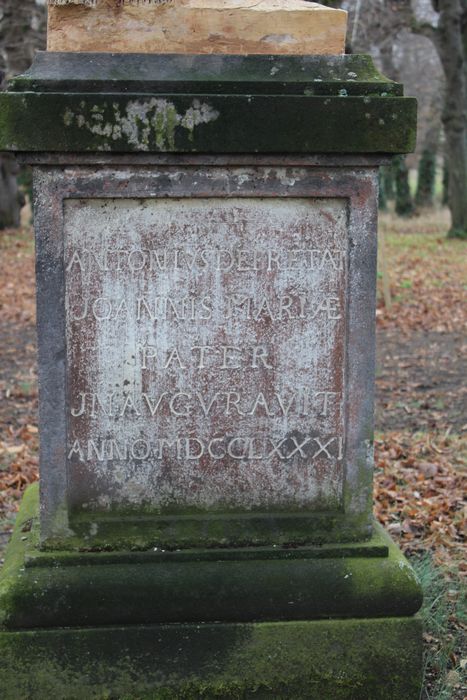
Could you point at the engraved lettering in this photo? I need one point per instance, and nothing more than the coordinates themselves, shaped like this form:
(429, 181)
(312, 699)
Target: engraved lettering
(233, 443)
(74, 317)
(213, 443)
(76, 449)
(172, 407)
(206, 407)
(233, 399)
(75, 260)
(251, 451)
(224, 261)
(264, 308)
(163, 442)
(330, 307)
(205, 346)
(76, 412)
(118, 451)
(136, 260)
(323, 447)
(247, 260)
(285, 408)
(260, 401)
(140, 449)
(143, 306)
(239, 447)
(285, 304)
(102, 309)
(122, 308)
(340, 453)
(174, 357)
(148, 352)
(260, 353)
(229, 362)
(299, 447)
(276, 448)
(153, 406)
(187, 443)
(203, 349)
(158, 260)
(129, 405)
(326, 396)
(236, 303)
(101, 262)
(95, 452)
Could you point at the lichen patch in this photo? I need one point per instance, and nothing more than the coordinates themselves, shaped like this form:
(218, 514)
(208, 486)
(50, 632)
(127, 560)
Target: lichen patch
(142, 124)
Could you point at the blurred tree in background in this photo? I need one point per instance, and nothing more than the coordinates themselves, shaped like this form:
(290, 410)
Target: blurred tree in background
(22, 32)
(447, 31)
(449, 37)
(426, 179)
(404, 204)
(423, 43)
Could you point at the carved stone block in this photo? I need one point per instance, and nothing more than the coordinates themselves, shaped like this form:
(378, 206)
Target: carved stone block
(197, 27)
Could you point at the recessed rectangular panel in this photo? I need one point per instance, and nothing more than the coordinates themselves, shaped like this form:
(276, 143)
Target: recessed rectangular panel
(205, 353)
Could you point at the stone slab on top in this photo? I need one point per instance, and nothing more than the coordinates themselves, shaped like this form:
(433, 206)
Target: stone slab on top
(293, 27)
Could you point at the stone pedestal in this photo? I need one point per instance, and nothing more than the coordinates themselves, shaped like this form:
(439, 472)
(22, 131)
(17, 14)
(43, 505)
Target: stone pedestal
(206, 266)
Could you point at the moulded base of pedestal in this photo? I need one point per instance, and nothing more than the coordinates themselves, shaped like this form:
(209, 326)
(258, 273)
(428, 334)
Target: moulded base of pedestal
(320, 659)
(233, 623)
(231, 585)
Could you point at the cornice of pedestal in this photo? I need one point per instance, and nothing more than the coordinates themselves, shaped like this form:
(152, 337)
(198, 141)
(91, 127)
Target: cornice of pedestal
(143, 103)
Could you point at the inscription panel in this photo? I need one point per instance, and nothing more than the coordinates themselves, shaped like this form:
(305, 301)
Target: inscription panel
(205, 352)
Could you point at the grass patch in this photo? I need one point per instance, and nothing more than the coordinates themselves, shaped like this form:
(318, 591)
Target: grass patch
(421, 272)
(444, 617)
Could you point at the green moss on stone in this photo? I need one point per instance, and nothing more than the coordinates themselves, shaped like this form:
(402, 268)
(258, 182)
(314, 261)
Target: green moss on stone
(338, 659)
(107, 588)
(206, 124)
(25, 533)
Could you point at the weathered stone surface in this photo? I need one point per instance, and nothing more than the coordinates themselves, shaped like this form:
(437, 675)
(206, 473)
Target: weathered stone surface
(368, 659)
(205, 104)
(370, 579)
(214, 320)
(99, 597)
(198, 27)
(205, 348)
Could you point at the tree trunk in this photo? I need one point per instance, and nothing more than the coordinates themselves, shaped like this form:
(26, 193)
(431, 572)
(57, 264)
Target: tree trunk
(445, 195)
(10, 199)
(389, 182)
(382, 199)
(426, 178)
(22, 30)
(404, 204)
(451, 52)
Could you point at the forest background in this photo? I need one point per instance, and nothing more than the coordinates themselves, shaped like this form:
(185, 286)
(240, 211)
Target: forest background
(421, 416)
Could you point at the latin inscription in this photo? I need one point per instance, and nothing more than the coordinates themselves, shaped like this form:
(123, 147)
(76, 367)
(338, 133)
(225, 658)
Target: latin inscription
(181, 403)
(206, 351)
(286, 308)
(239, 447)
(204, 259)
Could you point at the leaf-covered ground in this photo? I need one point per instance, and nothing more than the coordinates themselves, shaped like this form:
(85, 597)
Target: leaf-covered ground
(421, 416)
(421, 424)
(421, 407)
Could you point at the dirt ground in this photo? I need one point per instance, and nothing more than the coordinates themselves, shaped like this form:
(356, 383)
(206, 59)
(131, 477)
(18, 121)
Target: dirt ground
(421, 381)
